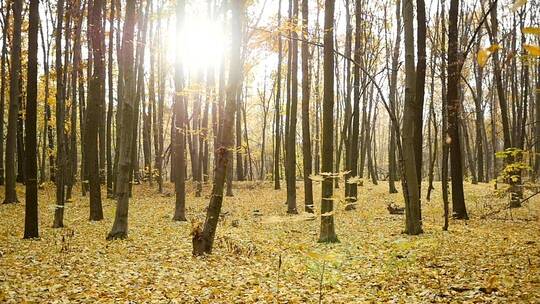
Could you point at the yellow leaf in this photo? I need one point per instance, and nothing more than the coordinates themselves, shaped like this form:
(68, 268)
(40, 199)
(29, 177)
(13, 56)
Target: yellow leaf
(531, 30)
(517, 5)
(493, 48)
(533, 50)
(482, 57)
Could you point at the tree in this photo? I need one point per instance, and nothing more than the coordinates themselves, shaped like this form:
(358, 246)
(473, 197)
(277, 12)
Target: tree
(120, 226)
(353, 165)
(13, 110)
(60, 116)
(95, 95)
(454, 109)
(110, 83)
(327, 232)
(180, 127)
(277, 109)
(411, 193)
(31, 205)
(3, 63)
(203, 239)
(291, 133)
(306, 136)
(392, 166)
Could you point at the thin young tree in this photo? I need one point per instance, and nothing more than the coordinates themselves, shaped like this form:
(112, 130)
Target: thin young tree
(328, 232)
(203, 239)
(306, 135)
(13, 110)
(277, 109)
(60, 116)
(120, 227)
(3, 63)
(179, 127)
(31, 206)
(411, 193)
(291, 133)
(95, 96)
(454, 108)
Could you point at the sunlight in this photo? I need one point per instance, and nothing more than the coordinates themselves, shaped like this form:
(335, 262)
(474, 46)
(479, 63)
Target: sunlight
(200, 43)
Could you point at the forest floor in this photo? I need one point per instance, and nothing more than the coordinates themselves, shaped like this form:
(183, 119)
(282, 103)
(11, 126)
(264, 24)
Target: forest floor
(263, 255)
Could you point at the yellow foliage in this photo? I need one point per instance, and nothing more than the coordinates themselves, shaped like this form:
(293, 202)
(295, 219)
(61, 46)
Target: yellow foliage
(533, 50)
(517, 5)
(531, 30)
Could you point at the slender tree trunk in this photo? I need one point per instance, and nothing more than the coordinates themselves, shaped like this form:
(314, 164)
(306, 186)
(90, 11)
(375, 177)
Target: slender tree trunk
(454, 108)
(110, 109)
(419, 91)
(277, 109)
(31, 205)
(203, 240)
(180, 127)
(413, 218)
(306, 137)
(95, 94)
(60, 133)
(3, 63)
(14, 91)
(327, 232)
(120, 226)
(392, 174)
(291, 133)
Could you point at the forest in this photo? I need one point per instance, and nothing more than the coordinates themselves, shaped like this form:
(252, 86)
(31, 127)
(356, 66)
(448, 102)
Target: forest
(270, 151)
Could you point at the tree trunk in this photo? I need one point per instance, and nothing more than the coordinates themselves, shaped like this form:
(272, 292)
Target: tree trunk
(120, 226)
(14, 87)
(327, 232)
(60, 133)
(392, 166)
(413, 218)
(203, 240)
(291, 133)
(454, 107)
(3, 63)
(31, 205)
(277, 109)
(95, 96)
(110, 108)
(306, 137)
(180, 127)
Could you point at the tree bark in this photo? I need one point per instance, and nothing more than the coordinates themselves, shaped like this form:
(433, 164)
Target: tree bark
(31, 205)
(14, 91)
(203, 240)
(327, 231)
(120, 227)
(454, 108)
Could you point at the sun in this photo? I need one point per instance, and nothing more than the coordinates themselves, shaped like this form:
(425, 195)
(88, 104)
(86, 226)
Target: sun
(200, 44)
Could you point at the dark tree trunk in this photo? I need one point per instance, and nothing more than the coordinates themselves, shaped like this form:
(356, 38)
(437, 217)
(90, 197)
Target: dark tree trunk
(392, 166)
(413, 219)
(95, 96)
(60, 116)
(306, 136)
(454, 107)
(14, 91)
(203, 240)
(291, 133)
(180, 127)
(110, 105)
(31, 205)
(327, 232)
(120, 226)
(277, 109)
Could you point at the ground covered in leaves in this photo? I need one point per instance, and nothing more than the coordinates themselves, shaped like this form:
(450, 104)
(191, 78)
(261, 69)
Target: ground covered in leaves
(263, 255)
